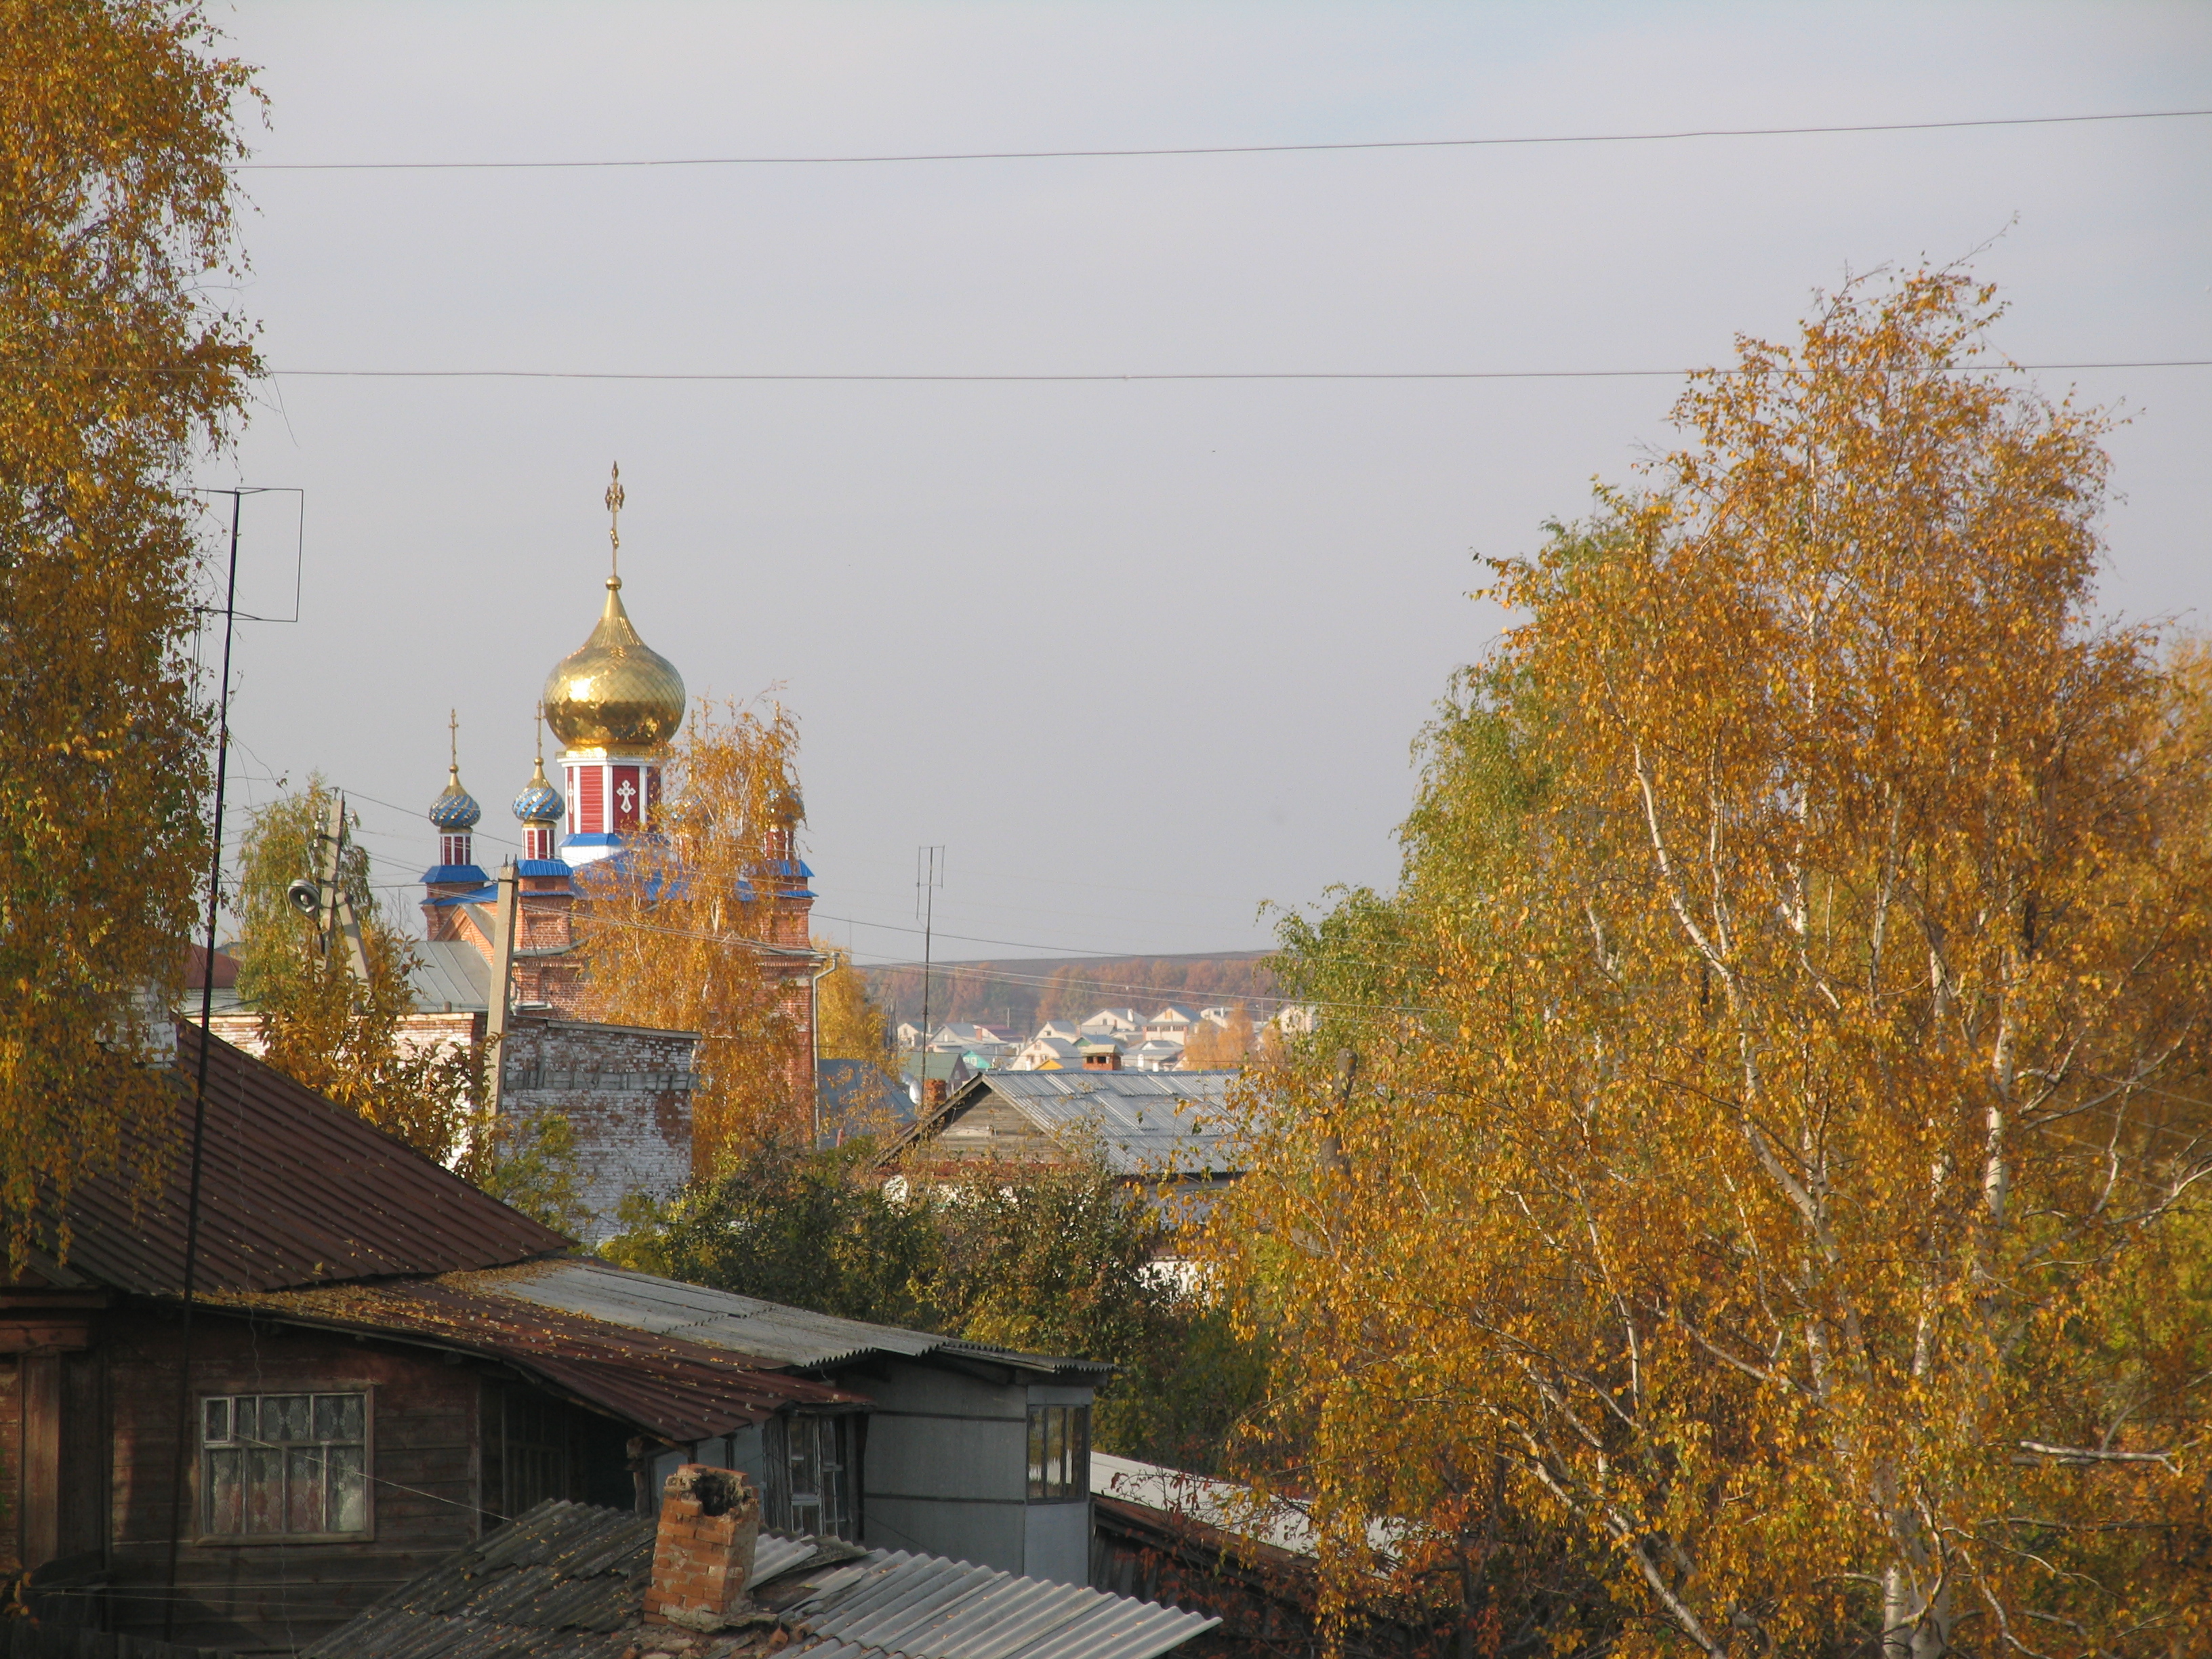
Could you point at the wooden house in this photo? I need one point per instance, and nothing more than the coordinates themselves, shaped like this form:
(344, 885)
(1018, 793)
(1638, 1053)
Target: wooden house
(381, 1362)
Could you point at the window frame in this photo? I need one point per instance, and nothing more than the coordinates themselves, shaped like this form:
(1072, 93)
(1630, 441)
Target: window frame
(1072, 1482)
(200, 1495)
(780, 1506)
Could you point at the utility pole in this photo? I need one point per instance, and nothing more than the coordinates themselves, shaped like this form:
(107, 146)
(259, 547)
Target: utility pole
(928, 877)
(502, 970)
(814, 1031)
(335, 917)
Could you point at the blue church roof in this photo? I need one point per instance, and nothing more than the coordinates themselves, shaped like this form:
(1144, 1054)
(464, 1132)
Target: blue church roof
(447, 875)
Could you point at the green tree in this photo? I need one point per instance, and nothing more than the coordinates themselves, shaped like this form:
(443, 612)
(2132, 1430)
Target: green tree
(1058, 1260)
(805, 1228)
(118, 365)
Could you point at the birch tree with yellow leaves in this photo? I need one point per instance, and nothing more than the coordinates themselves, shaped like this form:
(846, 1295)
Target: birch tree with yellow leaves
(1769, 1169)
(119, 365)
(682, 932)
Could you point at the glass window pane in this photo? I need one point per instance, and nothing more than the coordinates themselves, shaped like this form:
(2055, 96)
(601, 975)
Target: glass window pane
(1037, 1451)
(805, 1460)
(264, 1490)
(303, 1508)
(285, 1416)
(328, 1407)
(1078, 1450)
(224, 1514)
(1055, 1451)
(245, 1417)
(215, 1420)
(349, 1499)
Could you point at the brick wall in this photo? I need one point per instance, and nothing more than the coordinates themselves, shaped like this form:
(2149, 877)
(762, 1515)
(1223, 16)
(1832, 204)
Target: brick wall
(626, 1092)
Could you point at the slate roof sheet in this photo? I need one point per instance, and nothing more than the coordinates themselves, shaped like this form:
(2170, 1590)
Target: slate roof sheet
(1144, 1123)
(450, 973)
(766, 1332)
(566, 1582)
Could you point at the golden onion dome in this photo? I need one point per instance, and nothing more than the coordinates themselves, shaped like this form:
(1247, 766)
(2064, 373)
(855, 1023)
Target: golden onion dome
(614, 691)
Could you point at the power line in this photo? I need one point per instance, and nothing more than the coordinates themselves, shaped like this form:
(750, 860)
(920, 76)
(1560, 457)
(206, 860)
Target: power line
(1219, 149)
(1199, 375)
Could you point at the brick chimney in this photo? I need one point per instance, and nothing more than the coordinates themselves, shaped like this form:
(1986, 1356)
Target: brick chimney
(703, 1554)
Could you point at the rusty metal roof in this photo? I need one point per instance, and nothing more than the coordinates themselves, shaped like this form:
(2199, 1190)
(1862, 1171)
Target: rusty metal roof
(566, 1582)
(294, 1191)
(682, 1391)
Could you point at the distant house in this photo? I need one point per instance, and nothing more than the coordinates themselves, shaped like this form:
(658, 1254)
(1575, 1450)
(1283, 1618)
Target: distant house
(1298, 1019)
(1047, 1054)
(958, 1034)
(858, 1096)
(1155, 1054)
(1061, 1030)
(387, 1364)
(1170, 1025)
(1113, 1023)
(1151, 1127)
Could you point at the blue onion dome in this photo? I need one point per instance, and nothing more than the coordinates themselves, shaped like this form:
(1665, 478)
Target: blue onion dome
(539, 801)
(455, 808)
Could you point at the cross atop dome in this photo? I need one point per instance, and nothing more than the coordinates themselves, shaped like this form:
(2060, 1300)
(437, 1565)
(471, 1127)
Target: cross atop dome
(615, 499)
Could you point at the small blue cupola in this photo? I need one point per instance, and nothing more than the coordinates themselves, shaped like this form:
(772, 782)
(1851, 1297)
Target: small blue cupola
(457, 815)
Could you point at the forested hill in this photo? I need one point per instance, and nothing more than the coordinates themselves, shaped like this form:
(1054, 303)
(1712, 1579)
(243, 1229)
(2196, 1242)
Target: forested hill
(1024, 992)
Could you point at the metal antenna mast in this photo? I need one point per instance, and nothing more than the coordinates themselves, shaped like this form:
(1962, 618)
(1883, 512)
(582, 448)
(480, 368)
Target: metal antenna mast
(184, 1415)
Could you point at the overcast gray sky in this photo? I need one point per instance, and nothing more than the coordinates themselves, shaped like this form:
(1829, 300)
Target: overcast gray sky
(1141, 655)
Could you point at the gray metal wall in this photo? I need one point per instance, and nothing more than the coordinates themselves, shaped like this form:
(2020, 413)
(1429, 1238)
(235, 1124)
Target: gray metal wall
(946, 1473)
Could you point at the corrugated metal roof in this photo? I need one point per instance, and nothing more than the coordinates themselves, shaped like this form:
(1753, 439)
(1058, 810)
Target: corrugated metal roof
(566, 1581)
(294, 1191)
(450, 973)
(765, 1331)
(1225, 1505)
(1143, 1123)
(683, 1391)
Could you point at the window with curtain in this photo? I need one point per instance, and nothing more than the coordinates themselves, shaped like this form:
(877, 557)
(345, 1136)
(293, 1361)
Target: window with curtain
(284, 1465)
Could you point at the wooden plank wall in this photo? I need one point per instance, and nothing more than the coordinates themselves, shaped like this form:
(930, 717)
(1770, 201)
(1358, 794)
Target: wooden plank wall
(424, 1462)
(11, 1466)
(22, 1638)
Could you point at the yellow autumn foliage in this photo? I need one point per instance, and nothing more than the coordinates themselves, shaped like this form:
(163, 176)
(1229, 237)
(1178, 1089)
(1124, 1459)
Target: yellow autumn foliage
(1766, 1181)
(678, 931)
(118, 367)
